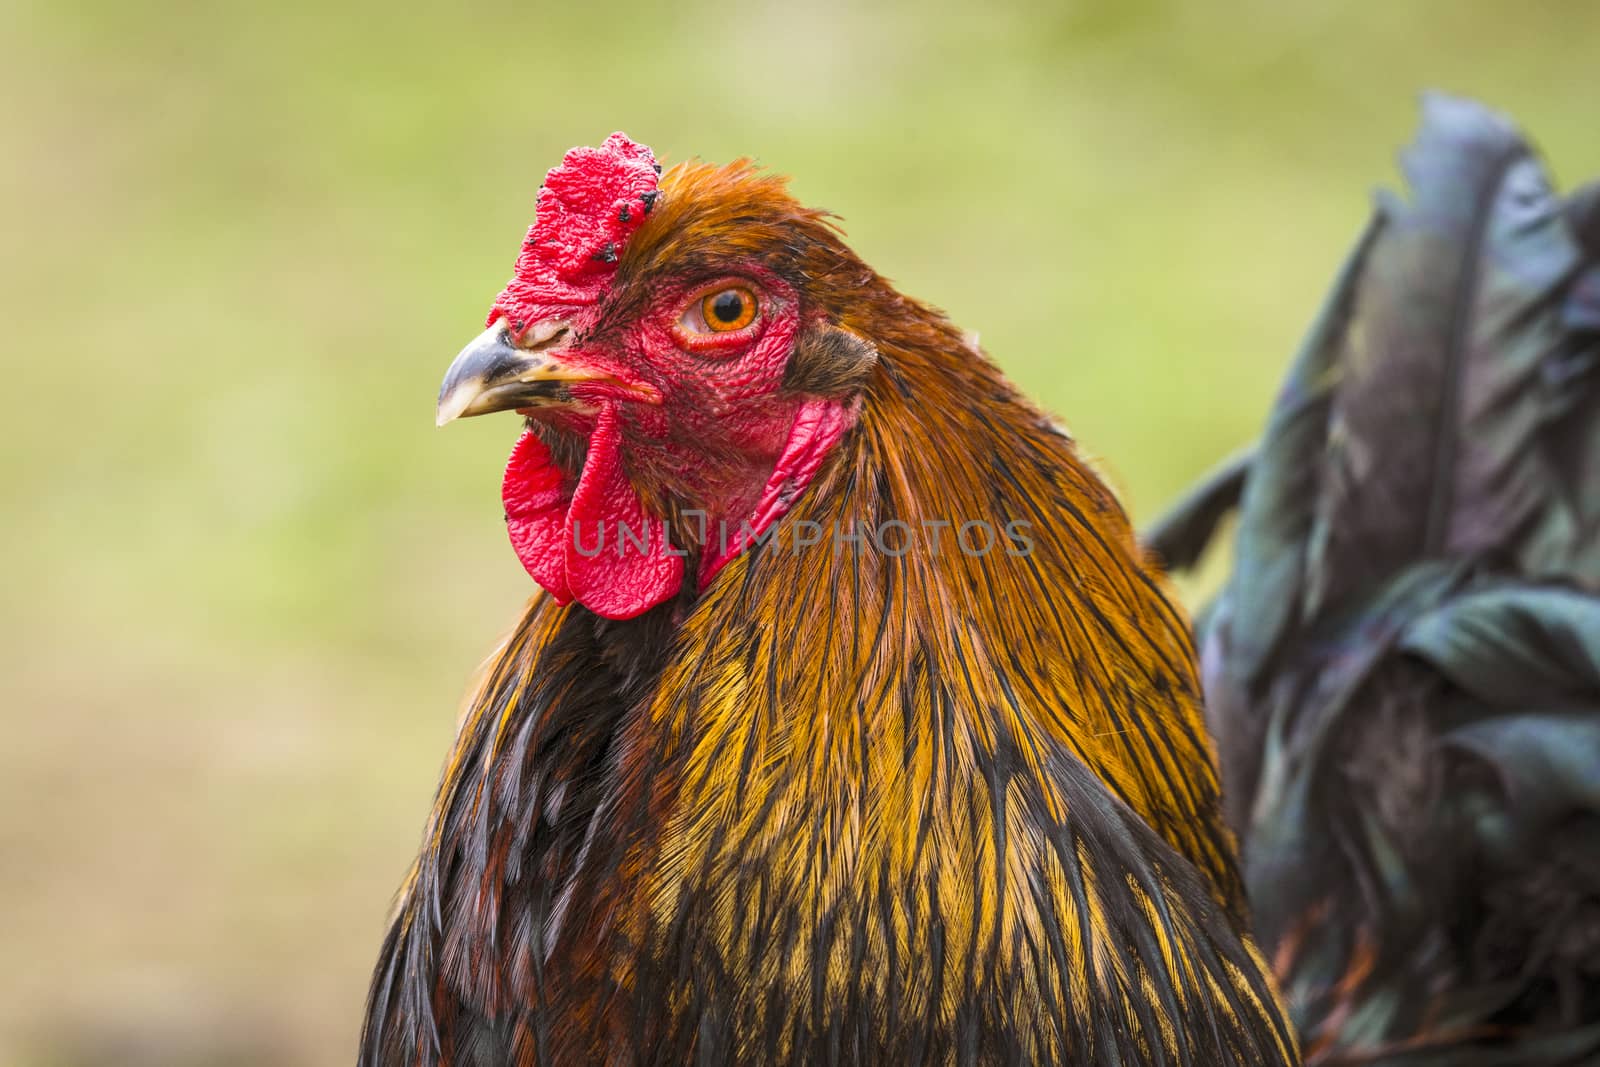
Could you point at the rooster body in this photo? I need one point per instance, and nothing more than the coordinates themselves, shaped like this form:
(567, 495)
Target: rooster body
(1403, 670)
(808, 799)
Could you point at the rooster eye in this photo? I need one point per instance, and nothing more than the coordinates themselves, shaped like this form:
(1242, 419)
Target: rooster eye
(728, 309)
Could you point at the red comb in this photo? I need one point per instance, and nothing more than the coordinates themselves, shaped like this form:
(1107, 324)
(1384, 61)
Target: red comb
(587, 209)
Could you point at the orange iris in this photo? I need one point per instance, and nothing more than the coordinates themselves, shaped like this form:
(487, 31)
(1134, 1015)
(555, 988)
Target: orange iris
(728, 309)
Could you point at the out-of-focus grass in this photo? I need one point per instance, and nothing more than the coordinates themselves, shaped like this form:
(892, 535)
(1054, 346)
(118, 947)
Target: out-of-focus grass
(247, 580)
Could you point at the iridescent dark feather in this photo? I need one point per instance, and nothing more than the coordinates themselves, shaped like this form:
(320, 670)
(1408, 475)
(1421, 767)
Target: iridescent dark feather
(1403, 669)
(847, 805)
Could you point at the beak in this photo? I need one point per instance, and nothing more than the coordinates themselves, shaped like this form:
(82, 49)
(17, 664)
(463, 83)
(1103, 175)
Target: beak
(494, 374)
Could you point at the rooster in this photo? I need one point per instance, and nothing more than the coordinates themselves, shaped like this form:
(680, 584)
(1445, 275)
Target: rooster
(1403, 668)
(849, 726)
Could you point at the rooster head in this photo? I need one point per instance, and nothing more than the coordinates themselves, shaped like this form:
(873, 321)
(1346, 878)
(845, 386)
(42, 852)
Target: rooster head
(680, 350)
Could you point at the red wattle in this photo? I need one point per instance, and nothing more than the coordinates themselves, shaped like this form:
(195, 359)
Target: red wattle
(583, 542)
(536, 494)
(608, 570)
(593, 541)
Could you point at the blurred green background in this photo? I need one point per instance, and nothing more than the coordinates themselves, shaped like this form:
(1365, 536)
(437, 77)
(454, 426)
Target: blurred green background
(247, 581)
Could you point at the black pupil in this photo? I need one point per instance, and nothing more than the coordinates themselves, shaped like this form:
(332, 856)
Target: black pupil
(727, 307)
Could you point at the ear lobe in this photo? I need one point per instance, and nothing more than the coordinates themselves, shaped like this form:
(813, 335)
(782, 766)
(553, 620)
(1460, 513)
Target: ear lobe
(828, 360)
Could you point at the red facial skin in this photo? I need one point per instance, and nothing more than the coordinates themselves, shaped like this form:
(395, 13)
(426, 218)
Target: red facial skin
(691, 419)
(715, 419)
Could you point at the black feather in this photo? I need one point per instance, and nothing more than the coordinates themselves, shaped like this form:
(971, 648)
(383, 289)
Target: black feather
(1403, 669)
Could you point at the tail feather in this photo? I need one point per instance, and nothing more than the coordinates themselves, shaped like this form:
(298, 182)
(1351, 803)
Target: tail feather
(1403, 669)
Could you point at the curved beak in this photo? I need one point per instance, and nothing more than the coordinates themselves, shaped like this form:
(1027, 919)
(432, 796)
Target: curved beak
(495, 374)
